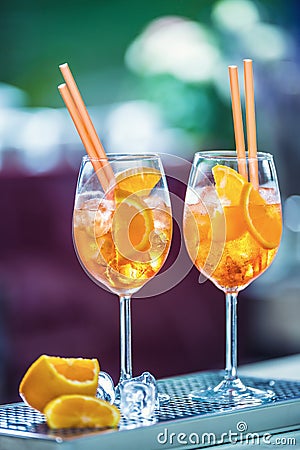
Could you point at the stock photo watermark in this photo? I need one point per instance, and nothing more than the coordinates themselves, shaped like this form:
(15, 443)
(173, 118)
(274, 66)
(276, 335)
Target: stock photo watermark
(240, 435)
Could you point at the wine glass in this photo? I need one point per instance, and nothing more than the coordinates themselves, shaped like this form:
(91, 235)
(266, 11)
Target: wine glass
(122, 234)
(232, 232)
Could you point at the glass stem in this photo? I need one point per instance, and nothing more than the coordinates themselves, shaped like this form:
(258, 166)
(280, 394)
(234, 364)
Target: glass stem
(125, 337)
(231, 335)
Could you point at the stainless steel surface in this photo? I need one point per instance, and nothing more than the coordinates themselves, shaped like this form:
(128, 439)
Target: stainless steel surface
(22, 427)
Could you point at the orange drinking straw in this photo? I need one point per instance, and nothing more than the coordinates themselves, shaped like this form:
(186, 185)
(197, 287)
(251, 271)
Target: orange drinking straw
(78, 112)
(250, 122)
(238, 121)
(85, 138)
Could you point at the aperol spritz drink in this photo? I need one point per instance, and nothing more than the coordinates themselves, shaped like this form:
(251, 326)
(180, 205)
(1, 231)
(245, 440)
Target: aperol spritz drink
(232, 232)
(122, 235)
(122, 259)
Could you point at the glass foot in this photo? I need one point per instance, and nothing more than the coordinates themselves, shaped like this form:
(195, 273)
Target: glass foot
(233, 394)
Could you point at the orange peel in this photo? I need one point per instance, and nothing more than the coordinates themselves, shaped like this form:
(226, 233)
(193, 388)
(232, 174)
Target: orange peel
(81, 411)
(132, 225)
(229, 184)
(51, 376)
(263, 220)
(139, 181)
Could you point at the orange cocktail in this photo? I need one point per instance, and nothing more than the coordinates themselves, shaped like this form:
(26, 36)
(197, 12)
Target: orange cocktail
(122, 222)
(122, 229)
(123, 242)
(233, 231)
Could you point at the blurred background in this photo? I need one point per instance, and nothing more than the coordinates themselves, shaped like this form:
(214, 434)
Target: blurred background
(154, 77)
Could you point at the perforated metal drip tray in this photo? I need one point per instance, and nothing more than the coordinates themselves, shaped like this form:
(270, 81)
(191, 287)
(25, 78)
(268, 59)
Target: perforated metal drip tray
(180, 423)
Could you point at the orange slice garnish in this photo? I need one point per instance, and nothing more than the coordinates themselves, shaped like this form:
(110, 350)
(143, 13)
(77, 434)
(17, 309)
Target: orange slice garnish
(229, 187)
(229, 184)
(263, 219)
(81, 411)
(235, 222)
(51, 376)
(246, 210)
(132, 225)
(133, 220)
(139, 181)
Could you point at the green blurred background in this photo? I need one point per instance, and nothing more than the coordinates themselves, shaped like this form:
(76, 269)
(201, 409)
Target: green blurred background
(94, 37)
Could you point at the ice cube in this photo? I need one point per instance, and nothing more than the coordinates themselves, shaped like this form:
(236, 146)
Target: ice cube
(269, 194)
(191, 197)
(88, 201)
(203, 200)
(155, 202)
(210, 199)
(105, 389)
(161, 213)
(139, 397)
(103, 219)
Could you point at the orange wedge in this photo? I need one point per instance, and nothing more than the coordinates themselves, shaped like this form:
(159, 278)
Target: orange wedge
(139, 181)
(51, 376)
(81, 411)
(132, 225)
(229, 187)
(246, 210)
(235, 222)
(229, 184)
(263, 220)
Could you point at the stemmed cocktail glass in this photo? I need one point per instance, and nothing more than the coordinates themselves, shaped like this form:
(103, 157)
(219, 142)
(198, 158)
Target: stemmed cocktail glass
(232, 231)
(122, 235)
(122, 223)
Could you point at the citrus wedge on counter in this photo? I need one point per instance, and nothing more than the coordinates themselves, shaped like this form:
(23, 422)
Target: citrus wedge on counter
(81, 411)
(51, 376)
(229, 184)
(263, 220)
(132, 224)
(139, 181)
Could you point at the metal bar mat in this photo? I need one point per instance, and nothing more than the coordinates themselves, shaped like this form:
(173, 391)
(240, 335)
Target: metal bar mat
(20, 423)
